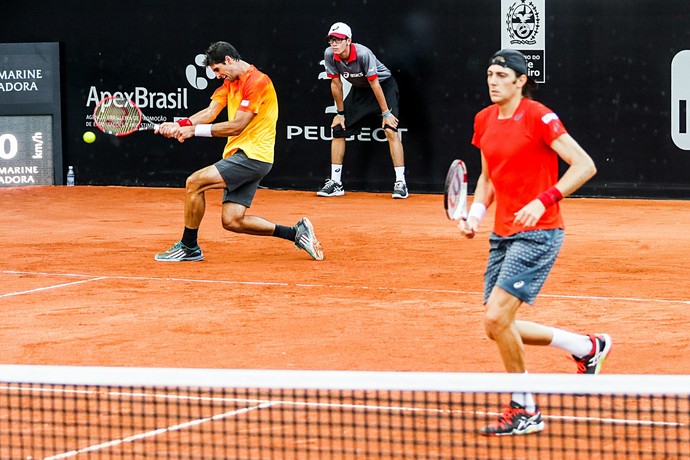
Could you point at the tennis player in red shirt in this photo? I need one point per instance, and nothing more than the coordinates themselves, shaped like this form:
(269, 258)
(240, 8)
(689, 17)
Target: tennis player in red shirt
(521, 142)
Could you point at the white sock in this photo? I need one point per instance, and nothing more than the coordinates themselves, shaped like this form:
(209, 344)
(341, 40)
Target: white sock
(400, 174)
(526, 400)
(336, 172)
(576, 344)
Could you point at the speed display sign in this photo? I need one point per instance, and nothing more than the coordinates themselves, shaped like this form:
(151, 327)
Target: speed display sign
(26, 150)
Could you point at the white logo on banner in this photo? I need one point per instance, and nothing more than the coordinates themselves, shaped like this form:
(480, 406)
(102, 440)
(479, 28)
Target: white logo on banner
(522, 23)
(523, 28)
(192, 73)
(680, 95)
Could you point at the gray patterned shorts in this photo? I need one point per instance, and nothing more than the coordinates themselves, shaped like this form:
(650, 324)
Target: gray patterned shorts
(520, 263)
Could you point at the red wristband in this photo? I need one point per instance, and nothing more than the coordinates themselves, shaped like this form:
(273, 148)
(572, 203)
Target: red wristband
(550, 197)
(184, 122)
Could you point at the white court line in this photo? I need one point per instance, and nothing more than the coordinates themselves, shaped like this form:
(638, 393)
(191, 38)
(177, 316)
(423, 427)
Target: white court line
(159, 431)
(340, 286)
(55, 286)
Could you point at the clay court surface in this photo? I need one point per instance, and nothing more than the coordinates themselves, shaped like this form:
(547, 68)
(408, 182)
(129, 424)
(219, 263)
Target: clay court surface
(399, 289)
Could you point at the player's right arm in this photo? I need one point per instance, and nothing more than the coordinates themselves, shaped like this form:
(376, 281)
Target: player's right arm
(337, 92)
(482, 199)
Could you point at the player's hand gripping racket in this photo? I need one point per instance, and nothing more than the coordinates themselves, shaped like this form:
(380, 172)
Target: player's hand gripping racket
(118, 116)
(455, 192)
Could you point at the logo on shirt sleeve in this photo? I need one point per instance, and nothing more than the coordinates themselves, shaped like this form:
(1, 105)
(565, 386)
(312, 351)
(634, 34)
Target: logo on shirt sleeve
(549, 117)
(245, 103)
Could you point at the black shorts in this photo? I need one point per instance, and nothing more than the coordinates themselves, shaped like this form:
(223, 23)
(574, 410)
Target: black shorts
(362, 108)
(242, 176)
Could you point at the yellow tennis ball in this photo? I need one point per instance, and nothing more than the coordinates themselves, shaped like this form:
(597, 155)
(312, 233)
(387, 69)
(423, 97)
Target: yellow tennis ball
(89, 137)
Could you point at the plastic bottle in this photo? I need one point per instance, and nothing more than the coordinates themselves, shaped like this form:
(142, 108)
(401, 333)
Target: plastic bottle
(70, 176)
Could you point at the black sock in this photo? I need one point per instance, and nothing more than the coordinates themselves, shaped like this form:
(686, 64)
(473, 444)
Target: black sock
(189, 237)
(286, 233)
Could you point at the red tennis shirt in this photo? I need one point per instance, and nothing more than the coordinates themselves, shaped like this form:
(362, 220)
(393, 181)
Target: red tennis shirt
(520, 160)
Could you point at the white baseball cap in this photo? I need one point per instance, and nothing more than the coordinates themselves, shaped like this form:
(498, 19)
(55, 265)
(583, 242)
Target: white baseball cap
(340, 30)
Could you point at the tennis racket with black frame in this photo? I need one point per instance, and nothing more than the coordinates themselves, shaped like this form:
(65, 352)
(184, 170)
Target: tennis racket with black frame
(118, 116)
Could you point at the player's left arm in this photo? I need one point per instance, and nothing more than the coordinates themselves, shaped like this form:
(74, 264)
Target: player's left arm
(388, 117)
(581, 166)
(581, 169)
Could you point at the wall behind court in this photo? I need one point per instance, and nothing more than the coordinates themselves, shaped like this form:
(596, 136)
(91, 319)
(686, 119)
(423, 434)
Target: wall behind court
(608, 76)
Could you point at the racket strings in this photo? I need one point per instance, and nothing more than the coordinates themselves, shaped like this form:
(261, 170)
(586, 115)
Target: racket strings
(117, 116)
(455, 199)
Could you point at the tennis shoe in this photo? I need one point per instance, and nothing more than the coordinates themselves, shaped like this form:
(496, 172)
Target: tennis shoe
(400, 190)
(306, 239)
(331, 188)
(514, 420)
(180, 253)
(593, 362)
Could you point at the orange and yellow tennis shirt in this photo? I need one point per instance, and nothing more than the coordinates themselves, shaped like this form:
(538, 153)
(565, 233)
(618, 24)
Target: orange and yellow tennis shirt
(252, 92)
(520, 160)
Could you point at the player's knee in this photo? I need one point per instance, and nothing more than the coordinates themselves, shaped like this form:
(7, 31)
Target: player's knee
(392, 136)
(339, 133)
(493, 323)
(489, 332)
(232, 224)
(193, 182)
(391, 133)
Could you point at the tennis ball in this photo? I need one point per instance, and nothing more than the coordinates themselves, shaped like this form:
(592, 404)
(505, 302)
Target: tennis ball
(89, 137)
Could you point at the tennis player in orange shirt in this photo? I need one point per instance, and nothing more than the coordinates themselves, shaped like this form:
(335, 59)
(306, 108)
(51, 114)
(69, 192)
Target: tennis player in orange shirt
(252, 107)
(521, 142)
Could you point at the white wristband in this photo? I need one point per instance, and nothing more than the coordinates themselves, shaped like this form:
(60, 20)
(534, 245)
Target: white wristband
(477, 211)
(203, 130)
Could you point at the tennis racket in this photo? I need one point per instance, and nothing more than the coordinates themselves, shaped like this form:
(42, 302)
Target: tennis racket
(455, 194)
(118, 116)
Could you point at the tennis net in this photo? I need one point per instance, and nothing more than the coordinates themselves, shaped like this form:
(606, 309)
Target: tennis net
(57, 412)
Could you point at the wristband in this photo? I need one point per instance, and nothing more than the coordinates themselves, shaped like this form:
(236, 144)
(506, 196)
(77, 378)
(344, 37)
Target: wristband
(184, 122)
(203, 130)
(477, 211)
(550, 197)
(341, 114)
(386, 114)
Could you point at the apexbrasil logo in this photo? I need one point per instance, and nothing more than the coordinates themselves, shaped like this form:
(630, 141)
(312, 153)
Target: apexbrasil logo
(143, 98)
(147, 99)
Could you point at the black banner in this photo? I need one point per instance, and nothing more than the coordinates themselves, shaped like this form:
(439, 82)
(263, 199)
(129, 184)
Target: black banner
(30, 114)
(608, 76)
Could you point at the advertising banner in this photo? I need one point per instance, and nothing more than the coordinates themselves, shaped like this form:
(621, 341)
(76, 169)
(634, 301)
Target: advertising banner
(30, 128)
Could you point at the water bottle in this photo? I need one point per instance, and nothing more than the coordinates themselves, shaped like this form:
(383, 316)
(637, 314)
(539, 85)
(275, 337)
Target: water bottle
(70, 176)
